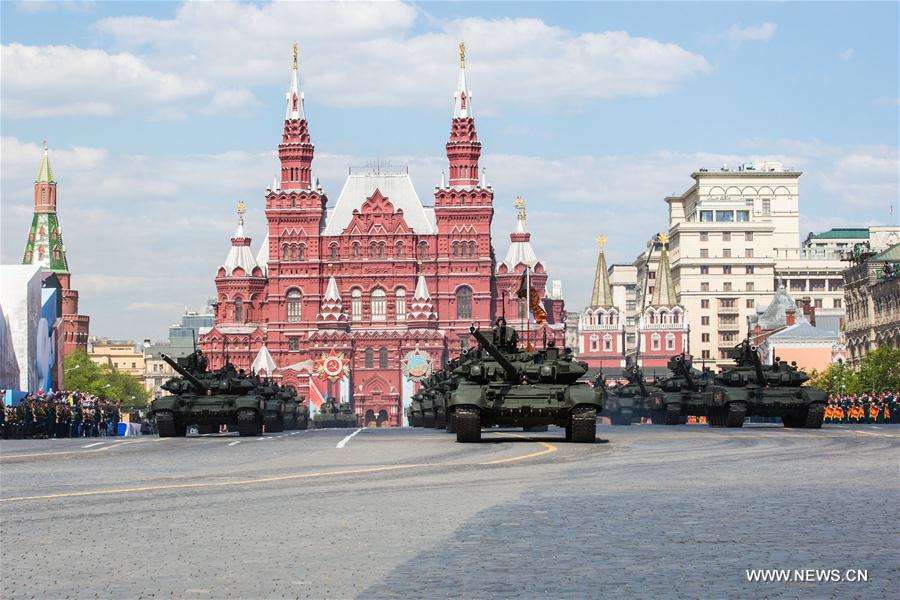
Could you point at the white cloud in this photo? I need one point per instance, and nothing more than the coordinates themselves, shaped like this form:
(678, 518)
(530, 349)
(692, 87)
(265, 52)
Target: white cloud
(64, 80)
(735, 36)
(211, 54)
(887, 101)
(847, 54)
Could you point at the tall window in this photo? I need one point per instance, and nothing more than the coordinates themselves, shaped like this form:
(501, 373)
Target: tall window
(293, 344)
(379, 305)
(595, 342)
(399, 250)
(455, 246)
(301, 254)
(355, 249)
(726, 236)
(423, 250)
(607, 343)
(464, 303)
(370, 358)
(400, 304)
(766, 206)
(294, 304)
(284, 252)
(356, 304)
(654, 341)
(670, 342)
(383, 358)
(334, 251)
(726, 252)
(239, 310)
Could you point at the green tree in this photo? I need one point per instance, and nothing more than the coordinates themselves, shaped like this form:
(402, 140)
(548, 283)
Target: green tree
(836, 379)
(880, 370)
(104, 381)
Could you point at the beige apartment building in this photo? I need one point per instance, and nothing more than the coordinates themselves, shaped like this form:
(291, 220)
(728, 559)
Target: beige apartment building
(122, 355)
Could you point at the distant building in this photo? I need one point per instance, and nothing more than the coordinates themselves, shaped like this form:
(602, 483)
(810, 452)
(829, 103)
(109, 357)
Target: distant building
(663, 326)
(181, 343)
(872, 294)
(601, 325)
(122, 355)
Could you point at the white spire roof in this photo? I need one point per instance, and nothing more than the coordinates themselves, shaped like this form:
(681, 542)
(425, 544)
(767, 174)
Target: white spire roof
(294, 97)
(421, 290)
(397, 187)
(262, 257)
(331, 291)
(520, 250)
(462, 99)
(240, 254)
(263, 361)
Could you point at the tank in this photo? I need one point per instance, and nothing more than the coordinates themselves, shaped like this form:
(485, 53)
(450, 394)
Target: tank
(414, 411)
(210, 399)
(681, 395)
(506, 386)
(296, 412)
(750, 389)
(630, 400)
(335, 415)
(429, 414)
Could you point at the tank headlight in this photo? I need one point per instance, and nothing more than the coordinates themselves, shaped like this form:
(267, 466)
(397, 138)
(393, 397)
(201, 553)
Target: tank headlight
(546, 371)
(476, 370)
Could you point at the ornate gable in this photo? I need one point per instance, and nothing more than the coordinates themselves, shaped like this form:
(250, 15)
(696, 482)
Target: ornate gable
(377, 217)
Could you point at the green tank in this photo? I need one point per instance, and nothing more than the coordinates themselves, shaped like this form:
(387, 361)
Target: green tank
(750, 389)
(414, 412)
(429, 413)
(506, 386)
(628, 401)
(681, 395)
(296, 412)
(210, 399)
(335, 415)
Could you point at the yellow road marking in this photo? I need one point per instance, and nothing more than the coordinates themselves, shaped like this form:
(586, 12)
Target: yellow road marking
(548, 448)
(212, 484)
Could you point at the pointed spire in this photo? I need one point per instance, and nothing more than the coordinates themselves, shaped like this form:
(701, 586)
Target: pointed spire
(263, 362)
(421, 309)
(294, 97)
(602, 292)
(463, 148)
(331, 312)
(520, 250)
(664, 290)
(331, 291)
(421, 290)
(462, 99)
(240, 255)
(45, 173)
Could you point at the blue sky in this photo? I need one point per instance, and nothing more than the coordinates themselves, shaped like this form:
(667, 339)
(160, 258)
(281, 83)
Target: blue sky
(161, 116)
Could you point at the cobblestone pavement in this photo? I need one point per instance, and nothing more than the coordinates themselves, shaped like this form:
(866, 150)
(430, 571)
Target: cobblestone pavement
(653, 512)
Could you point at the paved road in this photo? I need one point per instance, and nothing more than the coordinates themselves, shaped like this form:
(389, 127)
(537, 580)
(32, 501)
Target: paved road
(648, 512)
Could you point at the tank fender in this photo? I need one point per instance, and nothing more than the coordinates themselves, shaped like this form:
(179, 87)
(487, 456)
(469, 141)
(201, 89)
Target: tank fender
(164, 403)
(245, 402)
(466, 395)
(811, 394)
(721, 396)
(582, 395)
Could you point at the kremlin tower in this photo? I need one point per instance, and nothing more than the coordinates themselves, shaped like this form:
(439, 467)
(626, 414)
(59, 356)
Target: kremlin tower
(662, 329)
(601, 328)
(45, 248)
(360, 298)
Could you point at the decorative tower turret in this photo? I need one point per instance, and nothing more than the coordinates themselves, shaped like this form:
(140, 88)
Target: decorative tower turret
(331, 312)
(45, 247)
(663, 329)
(601, 329)
(463, 149)
(240, 280)
(295, 151)
(421, 310)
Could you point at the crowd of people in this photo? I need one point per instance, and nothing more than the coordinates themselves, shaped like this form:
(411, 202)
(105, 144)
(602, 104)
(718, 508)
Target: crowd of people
(883, 407)
(58, 415)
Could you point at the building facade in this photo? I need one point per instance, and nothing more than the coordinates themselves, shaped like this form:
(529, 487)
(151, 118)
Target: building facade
(663, 327)
(45, 248)
(122, 355)
(351, 300)
(872, 294)
(601, 325)
(182, 338)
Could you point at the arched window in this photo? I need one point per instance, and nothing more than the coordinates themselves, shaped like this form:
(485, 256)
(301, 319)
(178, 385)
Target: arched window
(294, 306)
(301, 252)
(293, 252)
(607, 343)
(595, 343)
(464, 303)
(455, 246)
(381, 250)
(334, 251)
(373, 250)
(355, 249)
(400, 304)
(472, 247)
(370, 356)
(356, 304)
(399, 250)
(383, 358)
(284, 252)
(239, 310)
(379, 305)
(654, 341)
(670, 341)
(423, 249)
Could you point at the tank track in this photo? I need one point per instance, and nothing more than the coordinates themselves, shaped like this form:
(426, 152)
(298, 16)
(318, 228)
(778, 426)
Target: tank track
(248, 424)
(673, 414)
(815, 416)
(583, 427)
(273, 423)
(165, 423)
(451, 423)
(735, 415)
(468, 426)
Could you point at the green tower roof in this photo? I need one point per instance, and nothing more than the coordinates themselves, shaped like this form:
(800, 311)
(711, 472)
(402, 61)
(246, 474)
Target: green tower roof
(45, 174)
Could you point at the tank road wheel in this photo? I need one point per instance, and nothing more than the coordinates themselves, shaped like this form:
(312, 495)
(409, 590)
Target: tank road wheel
(658, 417)
(451, 423)
(248, 423)
(673, 414)
(165, 423)
(468, 426)
(584, 426)
(735, 415)
(815, 415)
(274, 423)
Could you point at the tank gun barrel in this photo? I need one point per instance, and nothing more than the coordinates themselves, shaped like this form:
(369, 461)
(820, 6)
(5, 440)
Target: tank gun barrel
(685, 371)
(757, 364)
(201, 387)
(511, 372)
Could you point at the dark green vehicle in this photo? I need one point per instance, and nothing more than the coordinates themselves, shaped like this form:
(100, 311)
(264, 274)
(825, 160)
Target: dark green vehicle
(680, 396)
(503, 385)
(210, 399)
(750, 389)
(429, 413)
(296, 412)
(335, 415)
(414, 411)
(628, 401)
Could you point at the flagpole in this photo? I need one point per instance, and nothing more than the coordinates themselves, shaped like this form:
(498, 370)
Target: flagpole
(527, 303)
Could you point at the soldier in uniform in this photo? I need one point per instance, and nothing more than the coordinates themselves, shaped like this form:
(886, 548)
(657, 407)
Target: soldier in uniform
(505, 337)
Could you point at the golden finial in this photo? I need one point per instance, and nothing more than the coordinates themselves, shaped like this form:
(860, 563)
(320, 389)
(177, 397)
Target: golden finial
(45, 145)
(296, 49)
(520, 206)
(663, 238)
(241, 210)
(462, 55)
(601, 241)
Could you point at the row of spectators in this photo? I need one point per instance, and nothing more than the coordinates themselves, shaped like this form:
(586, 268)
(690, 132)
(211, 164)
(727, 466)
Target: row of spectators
(883, 407)
(59, 414)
